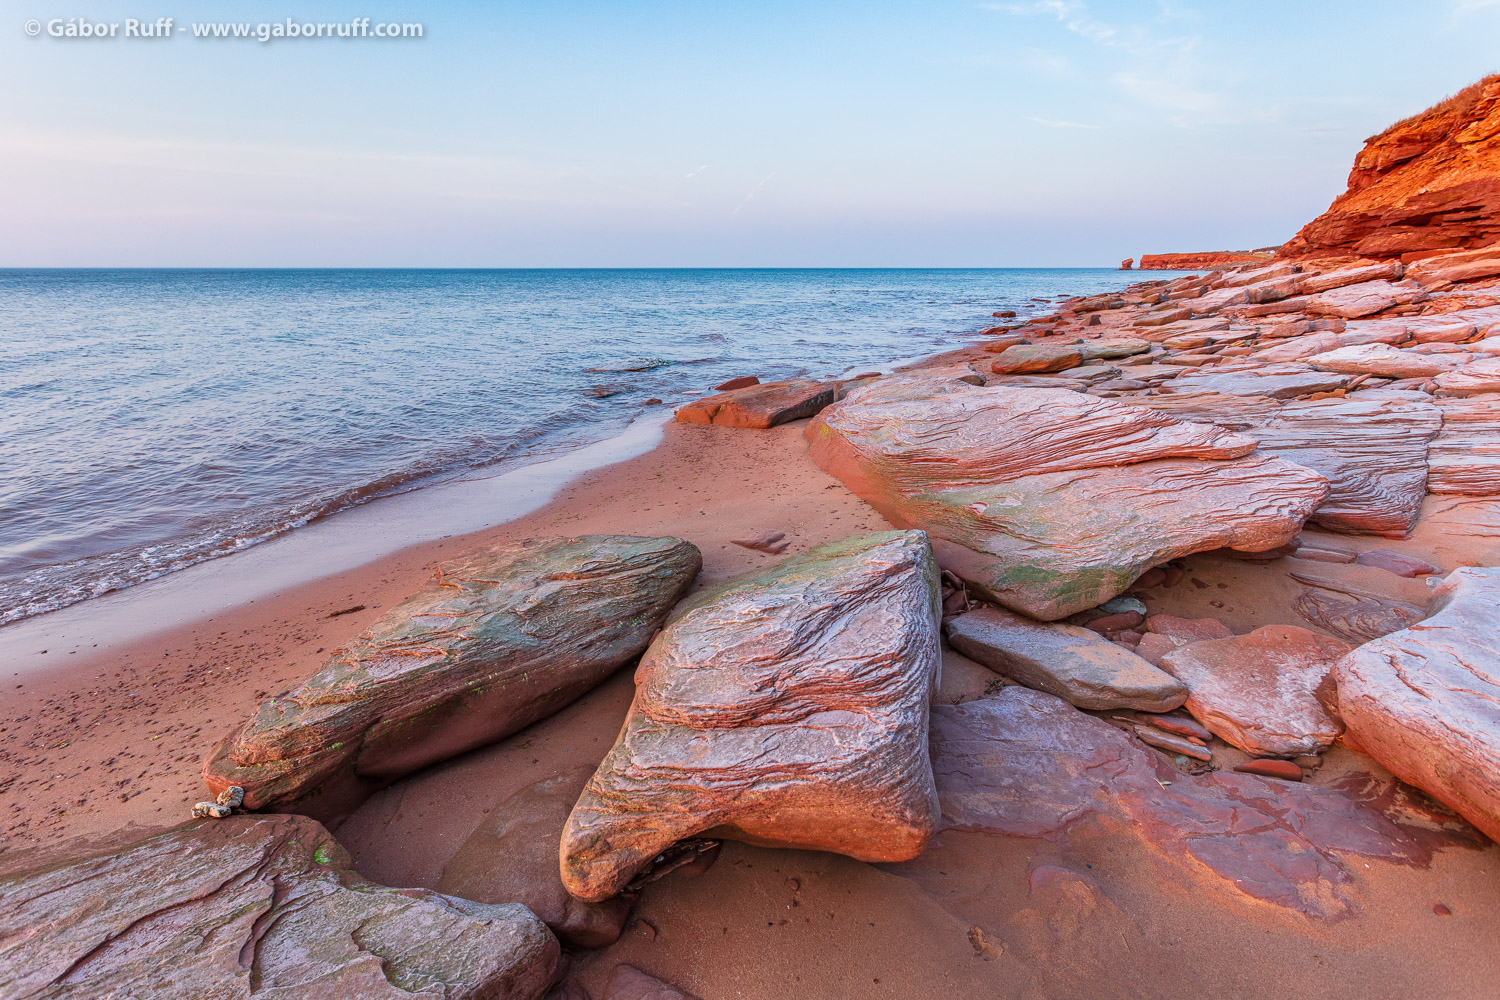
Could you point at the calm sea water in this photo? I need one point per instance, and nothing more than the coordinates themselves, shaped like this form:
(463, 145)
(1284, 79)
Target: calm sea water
(155, 419)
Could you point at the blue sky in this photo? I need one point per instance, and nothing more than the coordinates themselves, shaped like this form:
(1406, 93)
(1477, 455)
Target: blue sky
(696, 134)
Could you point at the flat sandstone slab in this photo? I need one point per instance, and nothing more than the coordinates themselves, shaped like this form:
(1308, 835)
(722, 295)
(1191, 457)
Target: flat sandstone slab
(1425, 701)
(256, 905)
(1265, 692)
(1076, 664)
(496, 641)
(787, 707)
(1051, 502)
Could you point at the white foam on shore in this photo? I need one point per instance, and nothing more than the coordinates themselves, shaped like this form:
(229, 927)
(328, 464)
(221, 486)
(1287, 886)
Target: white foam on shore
(340, 542)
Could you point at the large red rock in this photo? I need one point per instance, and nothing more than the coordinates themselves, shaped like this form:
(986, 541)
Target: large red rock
(1076, 664)
(1022, 763)
(787, 707)
(1425, 701)
(496, 641)
(1430, 182)
(255, 906)
(1465, 456)
(1364, 299)
(1278, 381)
(1473, 379)
(1382, 360)
(760, 406)
(1443, 270)
(1025, 359)
(1052, 502)
(1165, 633)
(1264, 692)
(1371, 449)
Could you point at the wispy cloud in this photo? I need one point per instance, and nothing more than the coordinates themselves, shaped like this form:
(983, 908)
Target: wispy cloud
(695, 173)
(1052, 123)
(1070, 14)
(753, 192)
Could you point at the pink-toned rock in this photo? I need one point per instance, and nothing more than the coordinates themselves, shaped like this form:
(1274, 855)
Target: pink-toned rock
(1188, 629)
(1076, 664)
(1441, 331)
(1312, 284)
(497, 640)
(1371, 449)
(1233, 412)
(1298, 348)
(254, 906)
(1262, 692)
(760, 406)
(1465, 456)
(1026, 764)
(1425, 701)
(1024, 359)
(1472, 379)
(1382, 360)
(1161, 317)
(1279, 381)
(1397, 562)
(1364, 299)
(1165, 633)
(1283, 769)
(743, 382)
(1322, 553)
(787, 707)
(1053, 502)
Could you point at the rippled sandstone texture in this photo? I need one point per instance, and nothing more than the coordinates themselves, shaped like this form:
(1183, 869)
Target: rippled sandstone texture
(787, 708)
(1431, 182)
(1425, 701)
(262, 906)
(1050, 501)
(496, 641)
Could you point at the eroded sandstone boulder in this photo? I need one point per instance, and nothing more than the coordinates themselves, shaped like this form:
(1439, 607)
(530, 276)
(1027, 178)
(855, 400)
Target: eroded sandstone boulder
(1425, 701)
(263, 906)
(496, 641)
(760, 406)
(1266, 692)
(1052, 502)
(1371, 449)
(1025, 359)
(787, 707)
(1076, 664)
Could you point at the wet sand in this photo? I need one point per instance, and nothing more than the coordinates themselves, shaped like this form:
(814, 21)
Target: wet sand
(108, 737)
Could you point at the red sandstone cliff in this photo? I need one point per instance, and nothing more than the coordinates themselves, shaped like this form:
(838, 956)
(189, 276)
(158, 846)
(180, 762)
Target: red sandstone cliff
(1426, 184)
(1205, 260)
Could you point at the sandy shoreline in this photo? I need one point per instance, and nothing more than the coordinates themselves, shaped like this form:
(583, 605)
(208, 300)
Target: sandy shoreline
(100, 738)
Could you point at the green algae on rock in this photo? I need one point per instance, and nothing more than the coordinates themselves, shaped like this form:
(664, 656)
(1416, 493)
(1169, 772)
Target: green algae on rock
(787, 708)
(494, 642)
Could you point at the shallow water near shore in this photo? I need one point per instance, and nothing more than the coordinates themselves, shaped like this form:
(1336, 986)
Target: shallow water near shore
(159, 418)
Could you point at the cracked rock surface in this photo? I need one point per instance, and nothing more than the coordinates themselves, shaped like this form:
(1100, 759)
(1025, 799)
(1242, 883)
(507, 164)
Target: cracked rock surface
(255, 906)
